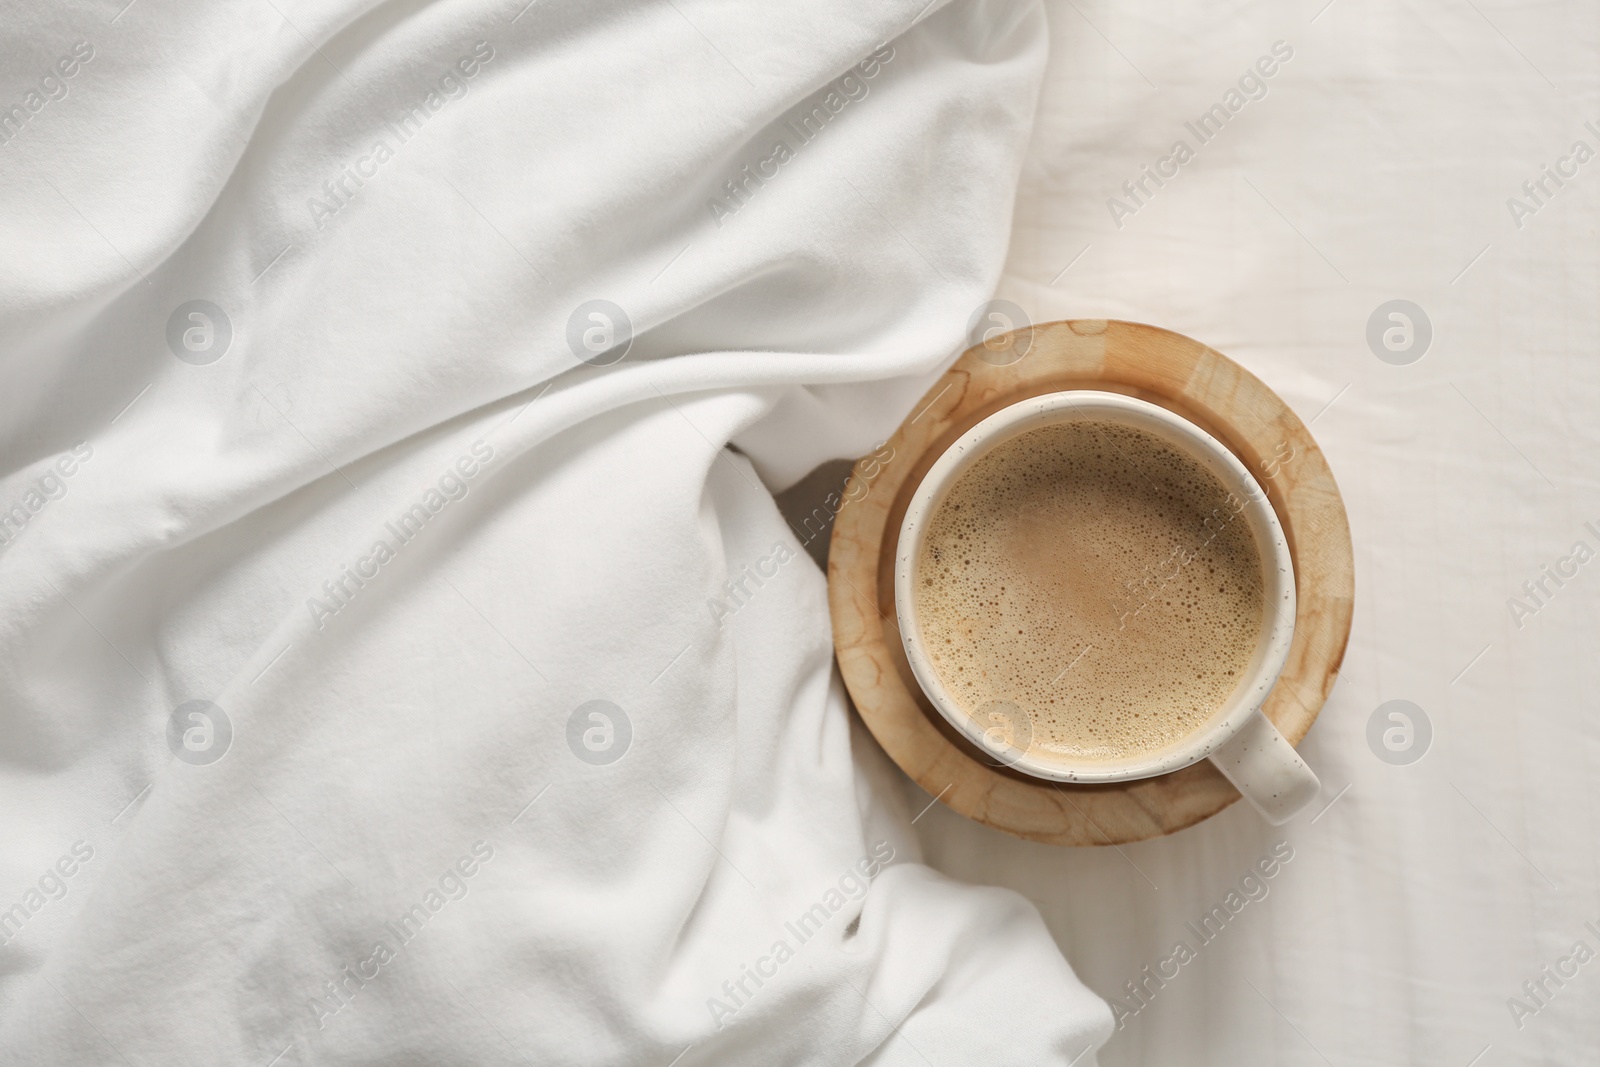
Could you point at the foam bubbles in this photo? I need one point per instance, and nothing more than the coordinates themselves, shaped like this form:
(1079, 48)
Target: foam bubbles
(1097, 577)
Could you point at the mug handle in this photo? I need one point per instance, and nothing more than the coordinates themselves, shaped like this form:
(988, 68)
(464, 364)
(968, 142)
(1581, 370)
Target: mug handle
(1263, 766)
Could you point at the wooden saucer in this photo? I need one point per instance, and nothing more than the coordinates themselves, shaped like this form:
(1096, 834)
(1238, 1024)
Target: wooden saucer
(1166, 368)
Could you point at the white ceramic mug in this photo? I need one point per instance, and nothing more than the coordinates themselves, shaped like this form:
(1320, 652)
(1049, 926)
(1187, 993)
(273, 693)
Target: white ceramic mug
(1238, 738)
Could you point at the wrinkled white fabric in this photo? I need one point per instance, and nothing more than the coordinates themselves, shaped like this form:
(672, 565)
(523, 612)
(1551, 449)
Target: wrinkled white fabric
(410, 850)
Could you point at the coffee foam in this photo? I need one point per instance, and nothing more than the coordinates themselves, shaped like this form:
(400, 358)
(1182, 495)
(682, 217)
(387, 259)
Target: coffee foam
(1098, 578)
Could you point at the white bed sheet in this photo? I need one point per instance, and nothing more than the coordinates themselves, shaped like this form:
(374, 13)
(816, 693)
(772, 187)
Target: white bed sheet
(1377, 167)
(390, 672)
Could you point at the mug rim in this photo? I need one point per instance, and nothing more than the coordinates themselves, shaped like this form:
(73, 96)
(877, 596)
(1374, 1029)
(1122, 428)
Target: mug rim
(1272, 650)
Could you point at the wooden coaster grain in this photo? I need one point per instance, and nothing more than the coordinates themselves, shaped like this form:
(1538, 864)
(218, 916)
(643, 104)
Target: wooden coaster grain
(1157, 365)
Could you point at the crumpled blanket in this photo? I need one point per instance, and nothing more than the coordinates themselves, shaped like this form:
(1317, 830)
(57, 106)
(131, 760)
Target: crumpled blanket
(402, 659)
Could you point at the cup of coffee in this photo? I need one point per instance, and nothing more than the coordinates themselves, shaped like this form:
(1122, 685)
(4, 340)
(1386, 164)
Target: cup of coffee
(1091, 588)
